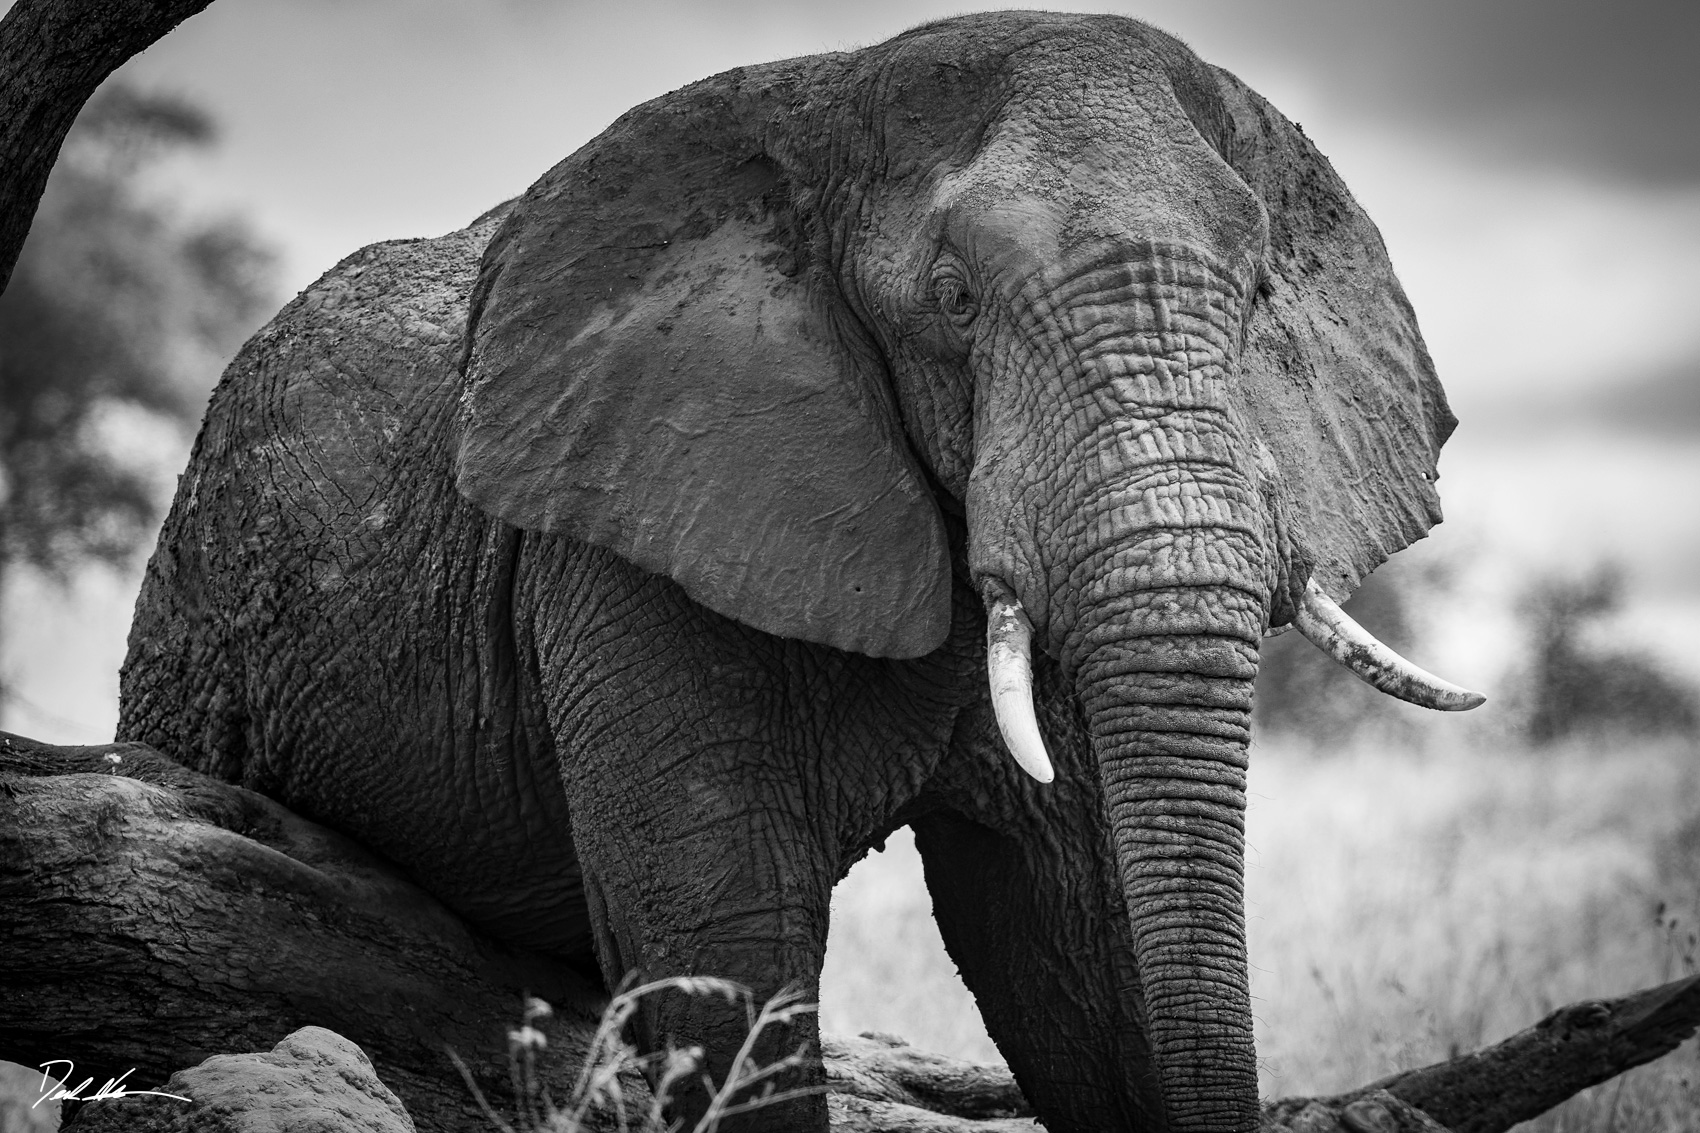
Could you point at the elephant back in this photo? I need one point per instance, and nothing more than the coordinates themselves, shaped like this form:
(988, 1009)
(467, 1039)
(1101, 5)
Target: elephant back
(317, 432)
(323, 612)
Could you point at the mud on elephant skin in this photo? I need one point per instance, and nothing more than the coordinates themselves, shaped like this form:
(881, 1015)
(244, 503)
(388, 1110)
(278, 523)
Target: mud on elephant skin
(622, 565)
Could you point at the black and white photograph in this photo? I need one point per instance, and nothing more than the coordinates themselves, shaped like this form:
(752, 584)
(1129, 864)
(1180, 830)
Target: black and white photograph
(773, 566)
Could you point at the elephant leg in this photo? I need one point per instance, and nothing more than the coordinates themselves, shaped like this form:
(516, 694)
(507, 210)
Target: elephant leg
(717, 777)
(1029, 906)
(709, 869)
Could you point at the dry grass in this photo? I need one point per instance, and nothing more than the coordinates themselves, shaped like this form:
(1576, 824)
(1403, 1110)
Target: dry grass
(1405, 906)
(603, 1095)
(1402, 905)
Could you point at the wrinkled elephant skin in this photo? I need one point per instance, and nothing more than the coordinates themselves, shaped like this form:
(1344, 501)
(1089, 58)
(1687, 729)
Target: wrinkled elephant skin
(616, 564)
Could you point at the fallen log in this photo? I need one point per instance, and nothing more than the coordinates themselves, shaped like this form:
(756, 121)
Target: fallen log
(1575, 1047)
(152, 918)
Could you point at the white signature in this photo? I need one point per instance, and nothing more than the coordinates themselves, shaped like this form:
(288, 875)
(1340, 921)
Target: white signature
(53, 1091)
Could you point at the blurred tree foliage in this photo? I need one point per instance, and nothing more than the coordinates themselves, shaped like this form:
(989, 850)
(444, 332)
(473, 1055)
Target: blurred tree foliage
(1576, 685)
(118, 310)
(1302, 693)
(116, 306)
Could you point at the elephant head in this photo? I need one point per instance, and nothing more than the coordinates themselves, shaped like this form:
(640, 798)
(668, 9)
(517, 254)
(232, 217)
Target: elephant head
(1051, 275)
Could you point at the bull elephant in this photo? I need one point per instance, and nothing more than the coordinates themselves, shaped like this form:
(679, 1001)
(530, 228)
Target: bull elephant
(628, 564)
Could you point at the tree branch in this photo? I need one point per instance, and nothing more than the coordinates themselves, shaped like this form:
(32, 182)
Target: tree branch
(53, 54)
(1575, 1047)
(881, 1068)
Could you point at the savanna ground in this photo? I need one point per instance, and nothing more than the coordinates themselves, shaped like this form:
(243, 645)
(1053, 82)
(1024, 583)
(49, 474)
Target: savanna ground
(1405, 903)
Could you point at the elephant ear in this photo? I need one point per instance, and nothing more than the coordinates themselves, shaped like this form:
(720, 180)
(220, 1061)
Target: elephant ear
(1338, 382)
(660, 363)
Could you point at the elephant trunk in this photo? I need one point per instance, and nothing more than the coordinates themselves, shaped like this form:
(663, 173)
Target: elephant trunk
(1165, 676)
(1130, 527)
(1169, 722)
(1159, 623)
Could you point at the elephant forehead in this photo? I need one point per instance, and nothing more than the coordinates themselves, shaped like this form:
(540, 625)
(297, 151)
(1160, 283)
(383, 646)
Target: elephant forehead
(1101, 154)
(1074, 78)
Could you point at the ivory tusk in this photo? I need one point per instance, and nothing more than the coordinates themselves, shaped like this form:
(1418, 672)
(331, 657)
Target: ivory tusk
(1329, 628)
(1009, 666)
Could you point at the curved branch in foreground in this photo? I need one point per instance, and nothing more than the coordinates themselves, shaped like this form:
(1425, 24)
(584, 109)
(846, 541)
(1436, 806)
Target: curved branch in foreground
(1575, 1047)
(53, 54)
(152, 917)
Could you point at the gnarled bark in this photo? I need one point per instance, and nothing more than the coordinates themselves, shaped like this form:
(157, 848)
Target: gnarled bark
(152, 917)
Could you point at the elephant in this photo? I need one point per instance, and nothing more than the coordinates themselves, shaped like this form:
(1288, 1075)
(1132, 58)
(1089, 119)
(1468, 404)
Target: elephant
(628, 564)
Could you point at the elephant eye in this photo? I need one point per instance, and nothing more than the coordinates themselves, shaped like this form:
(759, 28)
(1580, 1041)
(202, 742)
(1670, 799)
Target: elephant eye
(955, 300)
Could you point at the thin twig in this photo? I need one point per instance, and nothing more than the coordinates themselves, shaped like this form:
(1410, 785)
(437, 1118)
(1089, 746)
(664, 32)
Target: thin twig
(477, 1094)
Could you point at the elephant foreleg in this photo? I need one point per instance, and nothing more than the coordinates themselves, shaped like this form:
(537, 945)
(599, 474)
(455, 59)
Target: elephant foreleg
(1028, 908)
(705, 872)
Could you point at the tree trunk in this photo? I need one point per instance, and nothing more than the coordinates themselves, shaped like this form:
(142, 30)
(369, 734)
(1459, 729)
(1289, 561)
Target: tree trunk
(53, 54)
(151, 917)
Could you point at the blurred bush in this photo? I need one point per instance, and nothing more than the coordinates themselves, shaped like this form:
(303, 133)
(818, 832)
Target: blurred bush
(1578, 684)
(118, 310)
(1302, 693)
